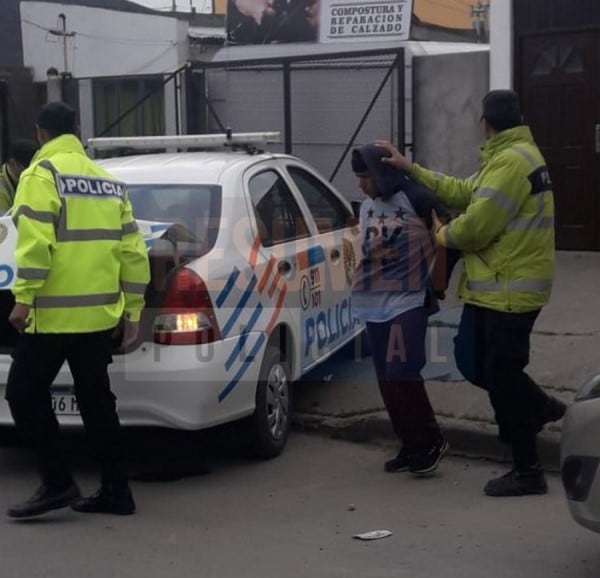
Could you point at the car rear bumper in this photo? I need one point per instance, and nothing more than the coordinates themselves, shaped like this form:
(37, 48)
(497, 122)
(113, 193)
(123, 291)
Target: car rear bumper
(580, 460)
(184, 387)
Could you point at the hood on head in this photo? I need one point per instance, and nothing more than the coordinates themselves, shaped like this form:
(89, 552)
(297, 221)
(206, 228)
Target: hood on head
(388, 179)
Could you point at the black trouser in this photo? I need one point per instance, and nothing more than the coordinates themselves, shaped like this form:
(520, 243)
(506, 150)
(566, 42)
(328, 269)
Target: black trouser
(398, 351)
(36, 361)
(492, 351)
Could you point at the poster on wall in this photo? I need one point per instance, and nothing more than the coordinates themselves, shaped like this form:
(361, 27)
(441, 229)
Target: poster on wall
(344, 20)
(278, 21)
(272, 21)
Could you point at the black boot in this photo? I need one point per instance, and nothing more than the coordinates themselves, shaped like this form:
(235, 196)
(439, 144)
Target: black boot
(107, 500)
(518, 482)
(46, 498)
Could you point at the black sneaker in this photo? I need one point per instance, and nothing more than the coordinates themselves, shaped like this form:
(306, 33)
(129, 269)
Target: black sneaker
(44, 500)
(517, 483)
(427, 462)
(552, 411)
(107, 501)
(398, 464)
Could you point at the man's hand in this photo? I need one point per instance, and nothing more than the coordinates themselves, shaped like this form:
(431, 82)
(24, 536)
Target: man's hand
(131, 330)
(436, 223)
(396, 158)
(19, 317)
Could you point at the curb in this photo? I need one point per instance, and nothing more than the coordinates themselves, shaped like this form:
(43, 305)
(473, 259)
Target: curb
(466, 438)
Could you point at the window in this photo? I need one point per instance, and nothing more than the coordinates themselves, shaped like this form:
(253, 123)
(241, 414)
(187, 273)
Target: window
(327, 210)
(115, 96)
(559, 58)
(278, 216)
(195, 208)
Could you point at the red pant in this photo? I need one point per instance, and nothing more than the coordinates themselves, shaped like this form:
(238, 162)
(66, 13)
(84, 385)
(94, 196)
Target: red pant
(398, 350)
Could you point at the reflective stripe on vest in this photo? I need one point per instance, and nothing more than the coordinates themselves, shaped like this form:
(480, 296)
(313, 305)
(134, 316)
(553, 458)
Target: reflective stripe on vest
(66, 301)
(40, 216)
(131, 287)
(500, 199)
(522, 285)
(66, 183)
(533, 162)
(537, 221)
(32, 274)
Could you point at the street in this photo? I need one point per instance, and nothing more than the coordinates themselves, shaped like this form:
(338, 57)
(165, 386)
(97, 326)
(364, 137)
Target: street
(220, 516)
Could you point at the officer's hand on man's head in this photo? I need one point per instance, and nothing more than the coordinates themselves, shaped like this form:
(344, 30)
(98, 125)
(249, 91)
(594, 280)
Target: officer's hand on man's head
(395, 158)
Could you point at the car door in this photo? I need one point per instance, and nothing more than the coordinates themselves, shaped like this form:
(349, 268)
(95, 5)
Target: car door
(286, 256)
(329, 322)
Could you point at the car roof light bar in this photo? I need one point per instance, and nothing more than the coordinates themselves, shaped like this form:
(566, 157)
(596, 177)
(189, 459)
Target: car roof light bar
(195, 141)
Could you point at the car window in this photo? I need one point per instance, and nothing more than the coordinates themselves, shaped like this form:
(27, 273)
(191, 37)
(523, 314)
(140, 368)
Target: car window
(197, 208)
(278, 215)
(327, 210)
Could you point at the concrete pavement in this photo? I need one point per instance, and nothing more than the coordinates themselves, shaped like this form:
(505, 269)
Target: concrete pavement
(341, 398)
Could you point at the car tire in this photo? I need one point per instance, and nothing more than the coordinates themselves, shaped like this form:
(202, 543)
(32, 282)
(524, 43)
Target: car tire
(269, 426)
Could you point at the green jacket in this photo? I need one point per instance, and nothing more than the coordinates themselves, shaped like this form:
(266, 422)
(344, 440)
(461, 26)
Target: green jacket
(81, 262)
(7, 190)
(506, 232)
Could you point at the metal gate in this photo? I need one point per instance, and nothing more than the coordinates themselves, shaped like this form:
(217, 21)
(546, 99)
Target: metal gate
(322, 104)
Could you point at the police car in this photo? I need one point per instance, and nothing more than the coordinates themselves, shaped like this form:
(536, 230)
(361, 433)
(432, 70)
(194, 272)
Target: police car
(252, 256)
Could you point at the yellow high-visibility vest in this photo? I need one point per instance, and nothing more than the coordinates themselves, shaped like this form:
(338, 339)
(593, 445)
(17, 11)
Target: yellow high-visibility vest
(506, 232)
(81, 262)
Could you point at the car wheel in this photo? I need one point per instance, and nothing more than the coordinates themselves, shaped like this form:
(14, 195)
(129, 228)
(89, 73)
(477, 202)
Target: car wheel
(272, 419)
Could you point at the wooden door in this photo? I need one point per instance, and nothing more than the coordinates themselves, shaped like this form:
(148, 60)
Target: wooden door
(560, 91)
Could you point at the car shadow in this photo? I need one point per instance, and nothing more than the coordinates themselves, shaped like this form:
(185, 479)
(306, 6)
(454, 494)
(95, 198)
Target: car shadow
(153, 454)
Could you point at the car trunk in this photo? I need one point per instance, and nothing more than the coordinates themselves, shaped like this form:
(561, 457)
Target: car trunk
(174, 249)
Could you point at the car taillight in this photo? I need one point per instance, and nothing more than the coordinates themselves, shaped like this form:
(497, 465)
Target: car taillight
(186, 316)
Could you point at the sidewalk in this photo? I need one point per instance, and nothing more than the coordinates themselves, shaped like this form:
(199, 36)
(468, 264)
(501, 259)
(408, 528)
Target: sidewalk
(565, 351)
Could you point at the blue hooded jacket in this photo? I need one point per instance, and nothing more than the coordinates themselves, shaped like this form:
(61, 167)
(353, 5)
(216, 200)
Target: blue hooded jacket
(389, 180)
(393, 275)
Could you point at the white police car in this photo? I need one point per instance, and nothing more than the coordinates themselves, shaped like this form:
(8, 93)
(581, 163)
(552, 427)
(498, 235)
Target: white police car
(252, 256)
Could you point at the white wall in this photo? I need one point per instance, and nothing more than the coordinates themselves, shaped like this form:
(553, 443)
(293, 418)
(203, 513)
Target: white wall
(106, 42)
(448, 89)
(501, 44)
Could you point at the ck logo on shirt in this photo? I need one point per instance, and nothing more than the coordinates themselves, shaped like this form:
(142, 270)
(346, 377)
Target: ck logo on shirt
(90, 186)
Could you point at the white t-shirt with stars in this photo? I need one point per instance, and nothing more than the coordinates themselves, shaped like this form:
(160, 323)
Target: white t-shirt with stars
(392, 276)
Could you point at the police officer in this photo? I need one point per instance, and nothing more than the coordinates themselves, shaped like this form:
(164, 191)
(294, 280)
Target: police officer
(506, 234)
(82, 268)
(20, 153)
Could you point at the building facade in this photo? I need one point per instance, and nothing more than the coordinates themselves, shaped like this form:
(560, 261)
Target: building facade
(112, 59)
(551, 56)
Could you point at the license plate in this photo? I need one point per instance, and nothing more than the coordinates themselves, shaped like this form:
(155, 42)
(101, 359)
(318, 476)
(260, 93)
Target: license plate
(64, 404)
